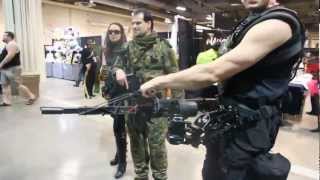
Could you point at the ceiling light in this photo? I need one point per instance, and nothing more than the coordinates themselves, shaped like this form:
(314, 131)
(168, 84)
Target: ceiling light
(209, 17)
(200, 30)
(225, 14)
(85, 3)
(181, 8)
(199, 27)
(168, 21)
(235, 4)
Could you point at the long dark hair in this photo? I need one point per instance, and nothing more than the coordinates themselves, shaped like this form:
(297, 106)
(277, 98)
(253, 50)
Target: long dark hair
(108, 43)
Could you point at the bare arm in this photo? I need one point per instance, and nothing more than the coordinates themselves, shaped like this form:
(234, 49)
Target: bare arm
(258, 42)
(12, 51)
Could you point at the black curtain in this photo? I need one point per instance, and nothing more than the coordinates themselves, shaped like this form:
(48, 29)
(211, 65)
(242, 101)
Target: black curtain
(188, 47)
(293, 100)
(185, 44)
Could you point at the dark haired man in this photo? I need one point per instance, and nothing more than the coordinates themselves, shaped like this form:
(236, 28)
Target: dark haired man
(148, 57)
(265, 49)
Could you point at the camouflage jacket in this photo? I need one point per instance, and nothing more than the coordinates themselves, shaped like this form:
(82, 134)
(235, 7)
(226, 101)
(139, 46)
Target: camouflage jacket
(147, 62)
(155, 61)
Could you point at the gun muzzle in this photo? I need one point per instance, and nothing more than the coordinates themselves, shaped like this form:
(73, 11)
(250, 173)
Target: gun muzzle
(52, 110)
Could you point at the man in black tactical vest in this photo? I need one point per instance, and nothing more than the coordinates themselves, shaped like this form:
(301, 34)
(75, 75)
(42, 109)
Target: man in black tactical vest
(264, 52)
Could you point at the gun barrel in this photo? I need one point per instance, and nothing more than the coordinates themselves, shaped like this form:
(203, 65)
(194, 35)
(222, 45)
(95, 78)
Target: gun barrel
(79, 110)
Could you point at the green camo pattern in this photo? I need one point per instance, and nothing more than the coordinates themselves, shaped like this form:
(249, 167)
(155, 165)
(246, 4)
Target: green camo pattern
(147, 136)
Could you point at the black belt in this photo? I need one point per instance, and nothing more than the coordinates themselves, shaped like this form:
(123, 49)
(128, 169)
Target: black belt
(257, 103)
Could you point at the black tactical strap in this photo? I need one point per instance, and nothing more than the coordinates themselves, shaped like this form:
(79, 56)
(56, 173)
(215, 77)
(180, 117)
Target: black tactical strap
(281, 13)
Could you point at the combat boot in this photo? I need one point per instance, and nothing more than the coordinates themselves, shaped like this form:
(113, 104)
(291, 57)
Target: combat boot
(122, 151)
(114, 161)
(121, 170)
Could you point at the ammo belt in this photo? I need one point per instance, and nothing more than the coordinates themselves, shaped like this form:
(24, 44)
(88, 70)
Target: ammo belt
(251, 111)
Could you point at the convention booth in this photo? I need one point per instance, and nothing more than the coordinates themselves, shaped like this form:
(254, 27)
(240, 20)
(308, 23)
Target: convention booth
(63, 55)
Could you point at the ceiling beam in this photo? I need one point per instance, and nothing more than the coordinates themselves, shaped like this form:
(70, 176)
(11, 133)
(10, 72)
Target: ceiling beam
(71, 6)
(161, 5)
(129, 7)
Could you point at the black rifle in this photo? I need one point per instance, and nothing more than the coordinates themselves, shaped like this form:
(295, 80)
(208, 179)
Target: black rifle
(212, 119)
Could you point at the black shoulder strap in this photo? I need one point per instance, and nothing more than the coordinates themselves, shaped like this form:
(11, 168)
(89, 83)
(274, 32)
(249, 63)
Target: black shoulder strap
(296, 44)
(283, 14)
(277, 12)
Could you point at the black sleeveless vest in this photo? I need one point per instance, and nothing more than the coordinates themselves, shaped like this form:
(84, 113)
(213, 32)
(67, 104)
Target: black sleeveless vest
(268, 79)
(14, 62)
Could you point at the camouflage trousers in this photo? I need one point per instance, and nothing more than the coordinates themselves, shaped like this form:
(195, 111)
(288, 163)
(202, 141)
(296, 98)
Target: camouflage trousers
(148, 145)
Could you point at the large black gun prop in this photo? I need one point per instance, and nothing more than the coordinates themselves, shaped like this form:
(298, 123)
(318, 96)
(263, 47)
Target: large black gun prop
(138, 104)
(211, 118)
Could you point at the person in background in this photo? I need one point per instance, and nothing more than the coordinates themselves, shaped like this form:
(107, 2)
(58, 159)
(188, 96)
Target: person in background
(80, 74)
(98, 59)
(313, 87)
(10, 67)
(312, 67)
(87, 59)
(209, 55)
(0, 86)
(205, 57)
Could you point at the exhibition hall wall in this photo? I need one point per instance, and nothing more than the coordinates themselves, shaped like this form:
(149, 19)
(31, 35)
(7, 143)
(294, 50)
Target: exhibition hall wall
(88, 22)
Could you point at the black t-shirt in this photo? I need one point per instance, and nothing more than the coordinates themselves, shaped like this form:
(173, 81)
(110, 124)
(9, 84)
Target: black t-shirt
(87, 56)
